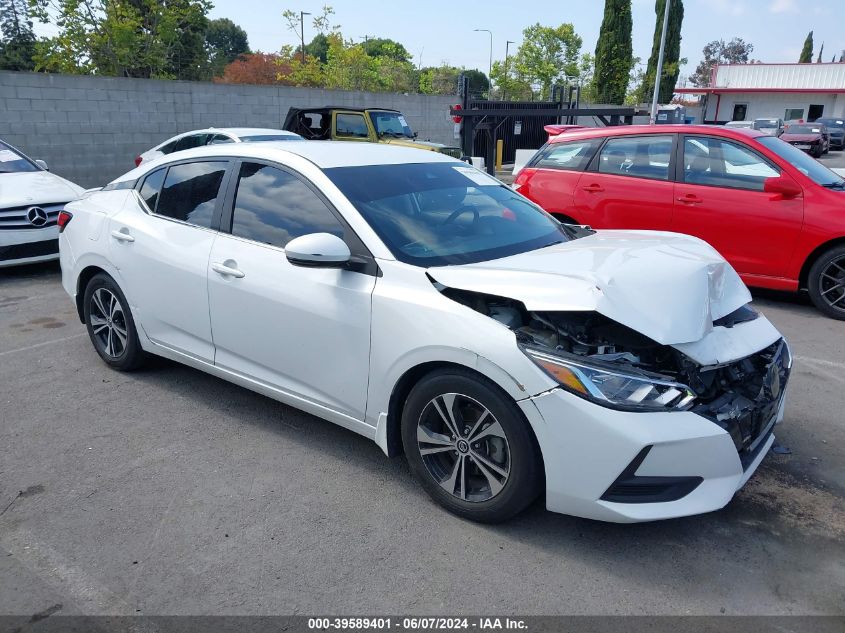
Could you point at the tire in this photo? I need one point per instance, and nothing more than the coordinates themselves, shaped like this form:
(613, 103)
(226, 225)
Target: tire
(110, 325)
(817, 153)
(826, 283)
(452, 471)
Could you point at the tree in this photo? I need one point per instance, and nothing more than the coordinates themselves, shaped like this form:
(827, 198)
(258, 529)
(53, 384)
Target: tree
(383, 47)
(17, 41)
(477, 82)
(547, 55)
(737, 51)
(254, 68)
(225, 42)
(807, 52)
(672, 61)
(321, 22)
(318, 48)
(130, 38)
(819, 58)
(614, 52)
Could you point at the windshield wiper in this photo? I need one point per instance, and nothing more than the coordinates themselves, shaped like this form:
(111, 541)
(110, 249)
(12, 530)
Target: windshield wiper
(834, 185)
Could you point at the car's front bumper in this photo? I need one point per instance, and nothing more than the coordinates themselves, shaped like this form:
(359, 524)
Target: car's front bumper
(587, 448)
(28, 246)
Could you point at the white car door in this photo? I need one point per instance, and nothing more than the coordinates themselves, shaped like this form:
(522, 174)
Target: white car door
(161, 245)
(303, 330)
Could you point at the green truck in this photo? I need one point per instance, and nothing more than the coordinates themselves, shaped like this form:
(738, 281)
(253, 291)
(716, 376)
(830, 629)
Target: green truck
(368, 125)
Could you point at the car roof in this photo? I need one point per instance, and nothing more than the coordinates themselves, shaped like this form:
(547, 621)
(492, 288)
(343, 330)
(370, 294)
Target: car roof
(324, 154)
(627, 130)
(347, 108)
(234, 131)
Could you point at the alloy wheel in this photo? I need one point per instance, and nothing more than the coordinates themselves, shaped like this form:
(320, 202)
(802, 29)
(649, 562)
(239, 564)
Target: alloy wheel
(108, 323)
(832, 283)
(463, 447)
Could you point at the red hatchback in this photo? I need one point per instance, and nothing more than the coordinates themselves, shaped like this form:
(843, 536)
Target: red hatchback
(776, 214)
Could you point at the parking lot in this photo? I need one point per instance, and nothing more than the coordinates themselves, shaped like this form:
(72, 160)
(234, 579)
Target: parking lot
(168, 491)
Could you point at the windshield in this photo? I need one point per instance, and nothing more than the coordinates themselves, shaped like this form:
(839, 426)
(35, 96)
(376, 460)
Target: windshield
(808, 166)
(391, 124)
(838, 123)
(436, 214)
(270, 137)
(12, 162)
(761, 124)
(803, 129)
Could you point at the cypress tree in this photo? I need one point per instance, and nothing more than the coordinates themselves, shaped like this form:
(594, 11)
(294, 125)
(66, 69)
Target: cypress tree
(671, 54)
(807, 51)
(614, 52)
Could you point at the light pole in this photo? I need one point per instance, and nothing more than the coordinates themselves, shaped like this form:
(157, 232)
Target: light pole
(490, 67)
(302, 15)
(659, 74)
(507, 47)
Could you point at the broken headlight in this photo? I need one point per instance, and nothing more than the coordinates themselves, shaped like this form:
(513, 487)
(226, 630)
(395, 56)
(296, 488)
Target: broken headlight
(614, 387)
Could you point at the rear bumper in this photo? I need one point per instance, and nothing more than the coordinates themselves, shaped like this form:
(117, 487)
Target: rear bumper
(28, 246)
(587, 450)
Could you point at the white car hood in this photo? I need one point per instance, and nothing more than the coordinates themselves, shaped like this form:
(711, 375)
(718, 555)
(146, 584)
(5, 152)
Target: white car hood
(35, 187)
(668, 286)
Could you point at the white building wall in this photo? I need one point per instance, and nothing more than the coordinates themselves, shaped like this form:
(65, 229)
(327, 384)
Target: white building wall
(773, 104)
(813, 76)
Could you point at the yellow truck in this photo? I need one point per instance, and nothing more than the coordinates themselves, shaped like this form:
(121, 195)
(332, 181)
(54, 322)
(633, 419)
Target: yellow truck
(368, 125)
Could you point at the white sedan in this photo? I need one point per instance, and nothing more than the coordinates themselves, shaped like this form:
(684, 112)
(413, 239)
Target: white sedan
(214, 136)
(419, 302)
(30, 200)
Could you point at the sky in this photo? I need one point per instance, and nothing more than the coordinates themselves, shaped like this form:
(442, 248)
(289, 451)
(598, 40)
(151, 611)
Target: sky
(442, 31)
(438, 31)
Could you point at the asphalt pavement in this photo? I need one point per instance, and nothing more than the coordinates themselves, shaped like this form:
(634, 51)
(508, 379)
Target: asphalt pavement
(168, 491)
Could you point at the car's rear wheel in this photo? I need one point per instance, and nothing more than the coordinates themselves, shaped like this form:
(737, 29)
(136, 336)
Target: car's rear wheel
(826, 283)
(470, 447)
(110, 324)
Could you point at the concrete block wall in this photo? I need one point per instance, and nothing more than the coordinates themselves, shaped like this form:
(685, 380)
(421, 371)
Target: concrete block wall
(89, 129)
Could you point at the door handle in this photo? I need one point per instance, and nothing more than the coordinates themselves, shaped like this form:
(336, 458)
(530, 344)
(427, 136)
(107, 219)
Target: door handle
(690, 199)
(122, 235)
(593, 188)
(227, 271)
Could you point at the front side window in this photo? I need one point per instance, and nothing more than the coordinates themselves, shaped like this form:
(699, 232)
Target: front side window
(351, 125)
(719, 163)
(807, 165)
(190, 192)
(436, 214)
(274, 206)
(151, 188)
(574, 155)
(13, 162)
(640, 156)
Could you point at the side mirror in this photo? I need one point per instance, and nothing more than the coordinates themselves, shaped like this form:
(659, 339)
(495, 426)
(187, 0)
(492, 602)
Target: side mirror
(322, 250)
(783, 186)
(42, 164)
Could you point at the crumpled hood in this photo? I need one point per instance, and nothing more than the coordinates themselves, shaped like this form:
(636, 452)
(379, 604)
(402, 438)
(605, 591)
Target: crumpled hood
(668, 286)
(800, 138)
(35, 187)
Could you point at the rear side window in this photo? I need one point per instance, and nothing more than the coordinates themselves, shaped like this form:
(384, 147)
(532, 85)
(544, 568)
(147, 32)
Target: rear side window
(352, 125)
(719, 163)
(639, 156)
(574, 155)
(273, 207)
(219, 139)
(152, 188)
(190, 192)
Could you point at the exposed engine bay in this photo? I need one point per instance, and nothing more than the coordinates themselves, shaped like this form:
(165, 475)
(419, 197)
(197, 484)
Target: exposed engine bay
(742, 396)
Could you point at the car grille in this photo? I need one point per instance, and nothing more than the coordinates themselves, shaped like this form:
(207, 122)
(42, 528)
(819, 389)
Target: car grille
(17, 218)
(31, 249)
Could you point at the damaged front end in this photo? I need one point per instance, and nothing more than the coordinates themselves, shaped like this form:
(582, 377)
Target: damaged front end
(615, 366)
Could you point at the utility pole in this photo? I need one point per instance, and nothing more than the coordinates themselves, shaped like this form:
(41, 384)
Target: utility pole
(302, 15)
(659, 74)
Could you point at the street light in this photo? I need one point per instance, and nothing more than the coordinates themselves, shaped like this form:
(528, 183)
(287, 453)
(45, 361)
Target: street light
(490, 68)
(302, 15)
(659, 74)
(507, 47)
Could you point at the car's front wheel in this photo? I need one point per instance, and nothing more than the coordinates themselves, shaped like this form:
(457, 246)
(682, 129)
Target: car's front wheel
(110, 324)
(470, 447)
(826, 283)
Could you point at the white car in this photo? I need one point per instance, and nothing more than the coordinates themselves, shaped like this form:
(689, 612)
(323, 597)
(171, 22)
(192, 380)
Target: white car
(30, 200)
(215, 136)
(415, 300)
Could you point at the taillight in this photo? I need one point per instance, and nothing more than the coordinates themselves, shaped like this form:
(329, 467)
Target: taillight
(63, 220)
(138, 160)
